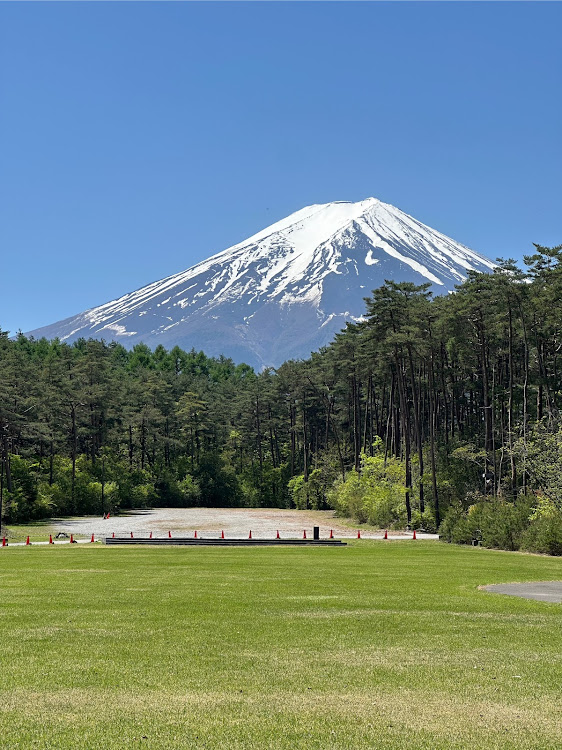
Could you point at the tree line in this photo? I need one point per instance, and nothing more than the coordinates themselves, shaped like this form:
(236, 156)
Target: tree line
(437, 413)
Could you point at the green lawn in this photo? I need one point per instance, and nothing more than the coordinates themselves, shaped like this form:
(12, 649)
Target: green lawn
(376, 645)
(38, 531)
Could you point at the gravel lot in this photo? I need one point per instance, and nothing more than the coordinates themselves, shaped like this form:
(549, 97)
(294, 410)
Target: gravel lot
(235, 522)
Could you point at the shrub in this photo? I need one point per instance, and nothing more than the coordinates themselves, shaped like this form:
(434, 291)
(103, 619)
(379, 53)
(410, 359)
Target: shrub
(496, 523)
(425, 520)
(190, 490)
(375, 494)
(456, 527)
(544, 534)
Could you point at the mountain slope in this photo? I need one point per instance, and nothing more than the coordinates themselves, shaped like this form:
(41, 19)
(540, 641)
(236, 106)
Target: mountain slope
(284, 291)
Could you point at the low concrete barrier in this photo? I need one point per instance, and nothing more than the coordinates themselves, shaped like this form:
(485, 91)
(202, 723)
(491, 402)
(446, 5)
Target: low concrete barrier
(184, 541)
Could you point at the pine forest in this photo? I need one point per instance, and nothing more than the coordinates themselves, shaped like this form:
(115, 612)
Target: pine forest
(436, 413)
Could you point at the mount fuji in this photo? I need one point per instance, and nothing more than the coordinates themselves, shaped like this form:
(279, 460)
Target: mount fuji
(286, 290)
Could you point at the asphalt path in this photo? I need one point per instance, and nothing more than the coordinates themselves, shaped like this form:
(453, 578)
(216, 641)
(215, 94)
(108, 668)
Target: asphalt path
(542, 591)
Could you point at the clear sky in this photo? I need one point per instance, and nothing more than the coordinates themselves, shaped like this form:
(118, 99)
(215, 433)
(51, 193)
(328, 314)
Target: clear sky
(139, 138)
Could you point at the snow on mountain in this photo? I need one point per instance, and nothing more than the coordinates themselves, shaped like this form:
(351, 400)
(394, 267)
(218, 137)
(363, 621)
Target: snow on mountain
(286, 290)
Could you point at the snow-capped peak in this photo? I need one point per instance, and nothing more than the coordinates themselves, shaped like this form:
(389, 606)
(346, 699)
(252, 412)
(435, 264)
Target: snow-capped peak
(286, 289)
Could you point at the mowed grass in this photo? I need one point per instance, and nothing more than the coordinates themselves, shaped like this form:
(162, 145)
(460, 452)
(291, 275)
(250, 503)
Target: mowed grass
(37, 531)
(376, 645)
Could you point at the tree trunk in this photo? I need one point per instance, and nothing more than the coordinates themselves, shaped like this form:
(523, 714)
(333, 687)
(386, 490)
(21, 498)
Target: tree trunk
(73, 452)
(304, 438)
(405, 428)
(432, 415)
(513, 477)
(6, 464)
(417, 426)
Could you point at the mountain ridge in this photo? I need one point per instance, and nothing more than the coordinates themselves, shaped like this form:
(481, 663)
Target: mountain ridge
(284, 291)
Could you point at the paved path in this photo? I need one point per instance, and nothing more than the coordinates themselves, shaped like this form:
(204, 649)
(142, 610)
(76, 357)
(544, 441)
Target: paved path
(542, 591)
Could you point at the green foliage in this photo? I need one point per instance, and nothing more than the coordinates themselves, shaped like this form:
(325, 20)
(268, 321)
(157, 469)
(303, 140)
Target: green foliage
(424, 521)
(308, 494)
(375, 494)
(501, 523)
(405, 416)
(544, 535)
(456, 527)
(542, 454)
(190, 491)
(506, 525)
(218, 481)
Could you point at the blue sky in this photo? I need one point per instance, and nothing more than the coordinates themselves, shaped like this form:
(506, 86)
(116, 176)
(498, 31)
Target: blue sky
(139, 138)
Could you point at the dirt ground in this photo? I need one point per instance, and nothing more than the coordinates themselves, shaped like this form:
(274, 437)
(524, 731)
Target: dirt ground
(235, 522)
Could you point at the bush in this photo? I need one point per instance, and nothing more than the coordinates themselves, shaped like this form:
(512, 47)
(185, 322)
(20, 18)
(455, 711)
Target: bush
(496, 523)
(375, 494)
(455, 527)
(425, 520)
(502, 523)
(190, 490)
(346, 497)
(309, 494)
(544, 534)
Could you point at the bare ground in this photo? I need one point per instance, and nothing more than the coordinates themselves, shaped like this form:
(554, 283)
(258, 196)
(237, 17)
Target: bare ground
(235, 522)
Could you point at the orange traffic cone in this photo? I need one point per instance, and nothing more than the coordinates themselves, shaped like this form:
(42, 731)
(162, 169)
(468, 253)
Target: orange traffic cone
(150, 537)
(169, 534)
(113, 535)
(222, 534)
(359, 534)
(386, 533)
(92, 539)
(107, 514)
(4, 542)
(250, 536)
(195, 535)
(278, 537)
(414, 534)
(331, 533)
(27, 541)
(51, 539)
(72, 539)
(304, 534)
(132, 537)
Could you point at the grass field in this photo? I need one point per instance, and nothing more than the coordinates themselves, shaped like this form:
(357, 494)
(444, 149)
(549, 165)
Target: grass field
(38, 531)
(371, 646)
